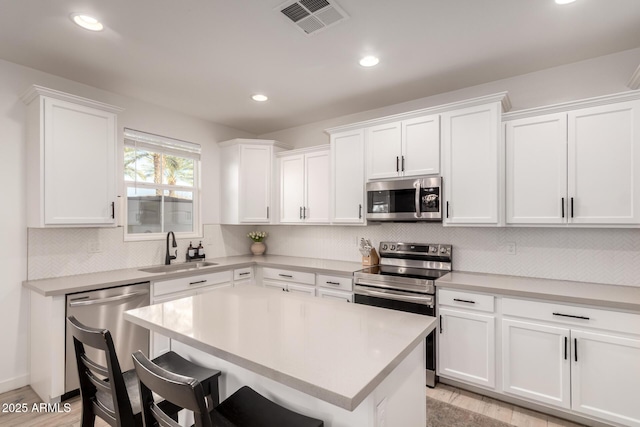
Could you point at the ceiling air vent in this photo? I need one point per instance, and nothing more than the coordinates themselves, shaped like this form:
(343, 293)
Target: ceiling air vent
(312, 16)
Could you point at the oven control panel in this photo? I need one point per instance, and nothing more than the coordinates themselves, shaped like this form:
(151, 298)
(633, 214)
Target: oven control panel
(416, 249)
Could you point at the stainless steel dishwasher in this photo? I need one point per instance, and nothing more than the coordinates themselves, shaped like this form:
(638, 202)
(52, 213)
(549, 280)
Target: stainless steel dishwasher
(104, 308)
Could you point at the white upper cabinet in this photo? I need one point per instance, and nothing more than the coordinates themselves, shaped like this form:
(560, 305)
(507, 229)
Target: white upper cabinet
(421, 146)
(347, 177)
(536, 178)
(604, 157)
(304, 186)
(71, 146)
(246, 175)
(404, 148)
(471, 164)
(577, 167)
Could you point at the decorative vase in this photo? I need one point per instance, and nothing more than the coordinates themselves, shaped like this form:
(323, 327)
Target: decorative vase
(258, 248)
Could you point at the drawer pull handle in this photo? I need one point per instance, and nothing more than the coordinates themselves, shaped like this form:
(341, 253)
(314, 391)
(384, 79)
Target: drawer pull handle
(571, 315)
(244, 274)
(464, 300)
(333, 283)
(199, 281)
(286, 275)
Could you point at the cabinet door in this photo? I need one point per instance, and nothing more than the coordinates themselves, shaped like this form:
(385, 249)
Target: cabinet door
(255, 183)
(301, 289)
(604, 157)
(536, 151)
(470, 164)
(421, 146)
(79, 164)
(605, 375)
(536, 362)
(291, 188)
(347, 165)
(384, 151)
(275, 286)
(466, 347)
(317, 184)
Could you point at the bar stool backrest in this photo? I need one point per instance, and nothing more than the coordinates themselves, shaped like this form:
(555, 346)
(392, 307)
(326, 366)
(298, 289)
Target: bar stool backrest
(101, 388)
(185, 392)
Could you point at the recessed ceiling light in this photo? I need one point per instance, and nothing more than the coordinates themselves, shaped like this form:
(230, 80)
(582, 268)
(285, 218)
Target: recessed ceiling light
(369, 61)
(564, 1)
(87, 22)
(259, 97)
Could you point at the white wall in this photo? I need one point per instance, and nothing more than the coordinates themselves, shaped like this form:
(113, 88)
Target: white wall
(594, 77)
(14, 80)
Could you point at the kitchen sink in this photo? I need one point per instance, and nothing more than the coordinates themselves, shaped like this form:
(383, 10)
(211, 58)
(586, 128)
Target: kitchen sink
(178, 267)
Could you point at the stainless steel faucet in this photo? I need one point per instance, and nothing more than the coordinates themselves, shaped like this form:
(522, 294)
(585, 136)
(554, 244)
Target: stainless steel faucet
(168, 258)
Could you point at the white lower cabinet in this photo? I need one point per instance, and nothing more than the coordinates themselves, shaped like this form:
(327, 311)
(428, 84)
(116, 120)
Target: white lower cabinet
(295, 288)
(605, 376)
(536, 362)
(466, 347)
(581, 359)
(339, 295)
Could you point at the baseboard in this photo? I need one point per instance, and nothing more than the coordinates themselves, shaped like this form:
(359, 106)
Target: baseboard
(14, 383)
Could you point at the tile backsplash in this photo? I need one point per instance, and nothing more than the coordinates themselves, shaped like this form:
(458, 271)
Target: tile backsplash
(69, 251)
(588, 255)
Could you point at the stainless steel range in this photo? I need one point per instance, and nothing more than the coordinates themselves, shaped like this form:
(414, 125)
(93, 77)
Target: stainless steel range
(405, 280)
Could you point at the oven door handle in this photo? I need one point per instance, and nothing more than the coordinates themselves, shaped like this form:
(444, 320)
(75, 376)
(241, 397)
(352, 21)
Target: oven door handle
(397, 296)
(416, 184)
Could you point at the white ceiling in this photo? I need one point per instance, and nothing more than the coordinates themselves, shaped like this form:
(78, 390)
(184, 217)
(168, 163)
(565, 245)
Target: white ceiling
(206, 57)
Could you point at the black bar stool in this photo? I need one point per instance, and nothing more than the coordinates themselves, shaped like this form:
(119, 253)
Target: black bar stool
(244, 408)
(113, 395)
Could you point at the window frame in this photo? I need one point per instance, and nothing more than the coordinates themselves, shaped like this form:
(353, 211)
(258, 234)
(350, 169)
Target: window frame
(196, 189)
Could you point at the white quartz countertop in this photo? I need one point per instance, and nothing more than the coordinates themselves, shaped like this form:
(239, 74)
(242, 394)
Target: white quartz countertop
(107, 279)
(330, 350)
(601, 295)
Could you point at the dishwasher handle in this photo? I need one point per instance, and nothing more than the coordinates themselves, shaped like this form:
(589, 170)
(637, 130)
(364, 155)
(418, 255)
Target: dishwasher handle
(83, 302)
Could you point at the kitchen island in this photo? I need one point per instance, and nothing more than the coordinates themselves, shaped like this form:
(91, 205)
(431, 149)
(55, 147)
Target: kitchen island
(349, 365)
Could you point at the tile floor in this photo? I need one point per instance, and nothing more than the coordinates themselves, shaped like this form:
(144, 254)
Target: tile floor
(500, 411)
(486, 406)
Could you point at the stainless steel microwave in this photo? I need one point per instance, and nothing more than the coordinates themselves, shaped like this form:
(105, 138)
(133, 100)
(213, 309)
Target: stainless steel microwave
(416, 199)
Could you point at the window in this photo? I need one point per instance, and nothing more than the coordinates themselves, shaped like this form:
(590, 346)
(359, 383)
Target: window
(161, 177)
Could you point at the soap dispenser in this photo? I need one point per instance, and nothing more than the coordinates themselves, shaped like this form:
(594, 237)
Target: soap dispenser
(191, 252)
(200, 250)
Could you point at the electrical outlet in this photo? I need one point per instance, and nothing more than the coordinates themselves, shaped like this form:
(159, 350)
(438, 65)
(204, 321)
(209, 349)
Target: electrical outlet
(511, 248)
(94, 247)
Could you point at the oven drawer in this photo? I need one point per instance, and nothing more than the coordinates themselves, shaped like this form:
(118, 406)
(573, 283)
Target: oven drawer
(335, 282)
(467, 300)
(573, 315)
(289, 275)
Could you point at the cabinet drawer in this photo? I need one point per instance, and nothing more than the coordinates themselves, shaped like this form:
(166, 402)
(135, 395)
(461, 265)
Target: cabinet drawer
(572, 315)
(243, 273)
(289, 275)
(191, 282)
(468, 300)
(334, 282)
(337, 295)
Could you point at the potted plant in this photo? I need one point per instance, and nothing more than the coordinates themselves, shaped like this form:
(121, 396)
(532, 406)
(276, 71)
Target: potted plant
(257, 247)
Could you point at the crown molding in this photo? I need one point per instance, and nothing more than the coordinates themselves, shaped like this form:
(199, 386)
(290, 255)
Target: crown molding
(305, 150)
(251, 141)
(35, 91)
(502, 97)
(634, 81)
(572, 105)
